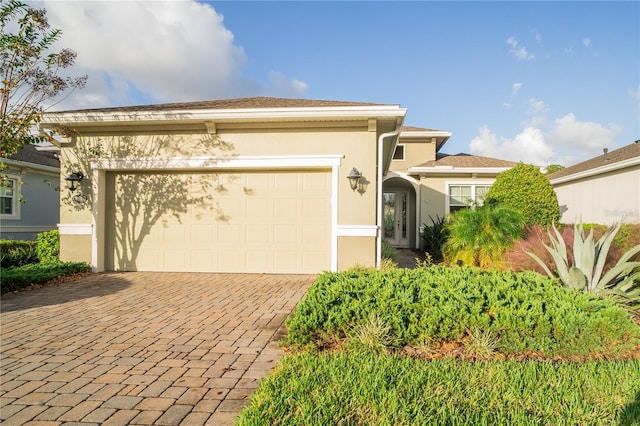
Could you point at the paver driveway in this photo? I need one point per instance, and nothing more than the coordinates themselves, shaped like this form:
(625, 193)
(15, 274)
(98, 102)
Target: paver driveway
(141, 348)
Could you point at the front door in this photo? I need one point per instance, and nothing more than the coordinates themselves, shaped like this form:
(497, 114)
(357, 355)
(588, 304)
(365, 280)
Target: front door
(395, 218)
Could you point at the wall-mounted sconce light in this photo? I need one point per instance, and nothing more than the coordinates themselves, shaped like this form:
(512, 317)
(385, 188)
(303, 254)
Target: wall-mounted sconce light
(354, 177)
(73, 178)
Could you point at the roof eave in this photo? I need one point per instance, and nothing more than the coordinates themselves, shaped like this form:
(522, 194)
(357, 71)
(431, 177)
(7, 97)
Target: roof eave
(24, 165)
(455, 170)
(227, 115)
(596, 171)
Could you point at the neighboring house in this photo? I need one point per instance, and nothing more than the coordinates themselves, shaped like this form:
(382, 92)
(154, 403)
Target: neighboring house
(424, 184)
(604, 189)
(30, 201)
(264, 185)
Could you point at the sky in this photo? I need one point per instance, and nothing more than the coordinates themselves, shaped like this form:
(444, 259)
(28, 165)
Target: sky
(543, 82)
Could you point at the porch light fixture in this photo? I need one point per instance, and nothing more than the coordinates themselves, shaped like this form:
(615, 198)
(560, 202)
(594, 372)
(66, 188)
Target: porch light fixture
(354, 177)
(73, 178)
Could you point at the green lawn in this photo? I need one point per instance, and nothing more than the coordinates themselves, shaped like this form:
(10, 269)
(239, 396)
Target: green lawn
(352, 388)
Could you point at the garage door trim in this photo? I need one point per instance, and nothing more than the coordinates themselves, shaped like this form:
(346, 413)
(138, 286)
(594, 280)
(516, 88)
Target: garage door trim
(249, 163)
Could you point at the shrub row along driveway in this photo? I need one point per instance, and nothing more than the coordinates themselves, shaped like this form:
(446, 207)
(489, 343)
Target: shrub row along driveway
(142, 348)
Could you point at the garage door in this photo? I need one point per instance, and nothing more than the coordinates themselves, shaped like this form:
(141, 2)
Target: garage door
(271, 222)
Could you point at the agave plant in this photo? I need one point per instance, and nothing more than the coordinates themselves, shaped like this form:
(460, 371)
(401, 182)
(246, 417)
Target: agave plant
(587, 272)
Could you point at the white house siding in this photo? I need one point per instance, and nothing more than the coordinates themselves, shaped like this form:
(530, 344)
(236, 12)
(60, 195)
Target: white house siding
(605, 199)
(39, 209)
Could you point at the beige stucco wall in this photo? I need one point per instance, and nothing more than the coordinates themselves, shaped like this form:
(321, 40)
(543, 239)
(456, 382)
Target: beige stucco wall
(75, 248)
(356, 251)
(415, 152)
(603, 199)
(434, 189)
(356, 142)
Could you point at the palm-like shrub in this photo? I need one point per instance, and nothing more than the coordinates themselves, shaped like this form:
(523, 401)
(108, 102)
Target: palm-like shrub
(481, 235)
(434, 237)
(587, 272)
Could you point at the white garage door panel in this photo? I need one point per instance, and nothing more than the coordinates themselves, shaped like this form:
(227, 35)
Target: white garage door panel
(276, 222)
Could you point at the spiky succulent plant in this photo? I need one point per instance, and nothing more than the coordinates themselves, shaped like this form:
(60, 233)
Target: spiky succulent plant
(587, 273)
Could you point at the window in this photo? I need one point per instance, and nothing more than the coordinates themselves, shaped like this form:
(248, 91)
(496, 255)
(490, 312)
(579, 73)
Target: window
(398, 154)
(9, 199)
(463, 196)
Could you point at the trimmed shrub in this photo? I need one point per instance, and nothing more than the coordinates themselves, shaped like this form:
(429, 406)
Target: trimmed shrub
(17, 253)
(524, 188)
(13, 279)
(526, 312)
(49, 246)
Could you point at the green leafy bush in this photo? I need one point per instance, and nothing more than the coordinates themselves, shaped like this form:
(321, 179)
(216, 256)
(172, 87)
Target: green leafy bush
(16, 278)
(434, 237)
(525, 312)
(17, 253)
(49, 246)
(480, 236)
(527, 190)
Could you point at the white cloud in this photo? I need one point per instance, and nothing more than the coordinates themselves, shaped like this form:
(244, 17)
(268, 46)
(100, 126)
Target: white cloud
(538, 112)
(519, 51)
(586, 42)
(537, 107)
(147, 52)
(635, 93)
(567, 142)
(515, 88)
(529, 146)
(584, 136)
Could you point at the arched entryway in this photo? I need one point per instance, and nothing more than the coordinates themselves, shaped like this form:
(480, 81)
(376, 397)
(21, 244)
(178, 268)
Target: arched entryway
(399, 207)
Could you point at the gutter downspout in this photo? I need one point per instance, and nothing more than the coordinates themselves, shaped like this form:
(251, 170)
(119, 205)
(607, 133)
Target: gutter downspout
(381, 139)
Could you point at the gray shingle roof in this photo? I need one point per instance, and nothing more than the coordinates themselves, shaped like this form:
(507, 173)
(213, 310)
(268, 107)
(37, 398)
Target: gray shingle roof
(466, 160)
(625, 153)
(29, 154)
(236, 103)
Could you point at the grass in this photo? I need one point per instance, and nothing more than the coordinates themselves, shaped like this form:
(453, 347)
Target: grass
(354, 388)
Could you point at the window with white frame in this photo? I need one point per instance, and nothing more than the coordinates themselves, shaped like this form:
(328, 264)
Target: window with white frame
(465, 195)
(398, 154)
(9, 199)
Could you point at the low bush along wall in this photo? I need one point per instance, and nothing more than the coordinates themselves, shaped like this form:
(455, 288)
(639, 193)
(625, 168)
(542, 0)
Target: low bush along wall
(524, 312)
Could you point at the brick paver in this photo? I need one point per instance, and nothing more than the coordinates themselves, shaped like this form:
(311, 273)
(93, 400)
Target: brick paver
(141, 347)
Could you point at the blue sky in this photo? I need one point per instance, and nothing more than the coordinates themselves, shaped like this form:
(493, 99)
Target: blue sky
(539, 82)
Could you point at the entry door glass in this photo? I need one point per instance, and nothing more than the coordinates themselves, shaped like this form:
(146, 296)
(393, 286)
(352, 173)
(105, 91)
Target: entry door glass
(395, 217)
(390, 217)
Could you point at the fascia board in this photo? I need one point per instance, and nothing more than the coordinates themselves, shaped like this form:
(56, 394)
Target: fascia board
(426, 134)
(229, 115)
(596, 171)
(454, 170)
(30, 166)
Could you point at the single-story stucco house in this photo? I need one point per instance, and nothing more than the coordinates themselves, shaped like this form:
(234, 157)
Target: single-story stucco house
(604, 189)
(264, 185)
(30, 197)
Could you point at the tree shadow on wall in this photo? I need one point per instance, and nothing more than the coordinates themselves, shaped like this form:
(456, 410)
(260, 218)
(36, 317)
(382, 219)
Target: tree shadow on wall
(142, 198)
